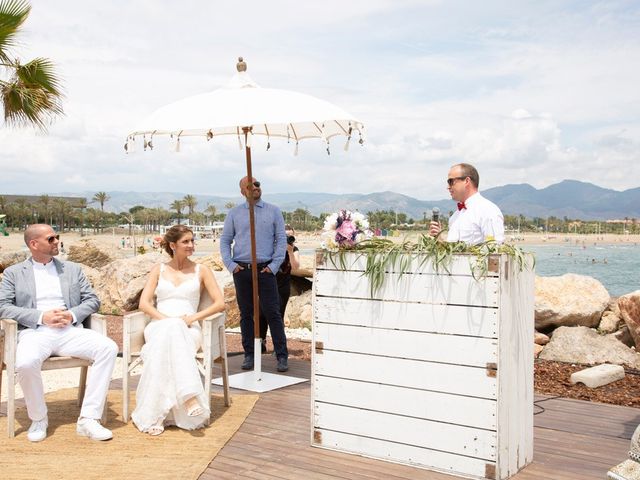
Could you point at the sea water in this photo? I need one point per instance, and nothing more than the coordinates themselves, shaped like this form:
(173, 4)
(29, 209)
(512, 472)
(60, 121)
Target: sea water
(617, 267)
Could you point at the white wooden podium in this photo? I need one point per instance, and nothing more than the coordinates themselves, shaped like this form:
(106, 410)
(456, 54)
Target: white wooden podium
(434, 371)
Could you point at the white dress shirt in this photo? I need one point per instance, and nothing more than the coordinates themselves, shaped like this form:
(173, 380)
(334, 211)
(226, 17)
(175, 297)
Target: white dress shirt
(479, 221)
(48, 289)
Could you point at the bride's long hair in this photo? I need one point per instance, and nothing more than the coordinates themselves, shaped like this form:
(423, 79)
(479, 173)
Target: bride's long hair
(174, 234)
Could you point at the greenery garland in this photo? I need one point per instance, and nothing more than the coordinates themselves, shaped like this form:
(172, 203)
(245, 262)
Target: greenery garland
(383, 255)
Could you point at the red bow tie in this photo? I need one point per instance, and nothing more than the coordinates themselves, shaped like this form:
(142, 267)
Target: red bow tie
(461, 205)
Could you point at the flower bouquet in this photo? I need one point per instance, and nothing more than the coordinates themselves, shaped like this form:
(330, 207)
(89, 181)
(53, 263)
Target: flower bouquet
(345, 229)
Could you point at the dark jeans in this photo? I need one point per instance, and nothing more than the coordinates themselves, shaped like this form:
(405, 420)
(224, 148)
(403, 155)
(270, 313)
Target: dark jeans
(269, 304)
(284, 292)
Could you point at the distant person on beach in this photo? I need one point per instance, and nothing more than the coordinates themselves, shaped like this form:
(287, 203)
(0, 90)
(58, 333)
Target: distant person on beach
(283, 279)
(50, 300)
(271, 242)
(170, 391)
(477, 219)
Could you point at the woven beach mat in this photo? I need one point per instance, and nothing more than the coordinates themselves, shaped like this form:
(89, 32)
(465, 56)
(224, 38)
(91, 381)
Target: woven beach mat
(176, 454)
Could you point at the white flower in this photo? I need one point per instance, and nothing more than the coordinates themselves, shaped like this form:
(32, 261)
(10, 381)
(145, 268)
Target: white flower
(331, 222)
(330, 244)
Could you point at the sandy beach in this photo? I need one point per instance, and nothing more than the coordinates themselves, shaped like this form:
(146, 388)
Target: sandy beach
(309, 240)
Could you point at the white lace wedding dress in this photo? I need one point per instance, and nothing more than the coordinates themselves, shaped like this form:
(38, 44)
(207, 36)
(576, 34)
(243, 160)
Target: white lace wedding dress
(170, 374)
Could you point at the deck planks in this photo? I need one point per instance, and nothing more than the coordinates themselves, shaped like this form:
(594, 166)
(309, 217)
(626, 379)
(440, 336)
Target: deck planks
(574, 440)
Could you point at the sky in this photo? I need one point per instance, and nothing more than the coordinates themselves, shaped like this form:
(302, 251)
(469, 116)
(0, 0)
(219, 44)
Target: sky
(527, 91)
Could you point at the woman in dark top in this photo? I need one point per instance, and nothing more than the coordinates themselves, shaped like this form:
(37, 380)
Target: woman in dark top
(283, 277)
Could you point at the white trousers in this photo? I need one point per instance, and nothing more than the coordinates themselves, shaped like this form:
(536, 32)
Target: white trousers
(36, 345)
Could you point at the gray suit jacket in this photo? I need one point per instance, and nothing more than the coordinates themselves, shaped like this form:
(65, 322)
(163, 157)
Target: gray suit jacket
(18, 293)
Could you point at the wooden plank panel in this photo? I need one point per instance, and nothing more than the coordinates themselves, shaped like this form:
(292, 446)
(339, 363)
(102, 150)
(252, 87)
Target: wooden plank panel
(445, 437)
(442, 407)
(410, 288)
(439, 377)
(460, 265)
(432, 347)
(419, 317)
(415, 456)
(515, 369)
(559, 454)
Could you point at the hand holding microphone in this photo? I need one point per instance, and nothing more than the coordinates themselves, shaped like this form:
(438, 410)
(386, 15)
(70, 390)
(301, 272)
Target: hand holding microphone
(434, 227)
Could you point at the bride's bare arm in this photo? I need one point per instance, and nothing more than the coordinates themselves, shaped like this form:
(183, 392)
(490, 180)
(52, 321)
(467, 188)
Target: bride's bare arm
(211, 286)
(146, 297)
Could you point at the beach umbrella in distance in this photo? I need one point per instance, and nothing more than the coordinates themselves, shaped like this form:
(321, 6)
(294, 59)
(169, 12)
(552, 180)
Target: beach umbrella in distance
(244, 109)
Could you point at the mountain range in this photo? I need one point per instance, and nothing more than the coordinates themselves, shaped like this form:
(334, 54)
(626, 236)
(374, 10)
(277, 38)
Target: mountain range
(570, 198)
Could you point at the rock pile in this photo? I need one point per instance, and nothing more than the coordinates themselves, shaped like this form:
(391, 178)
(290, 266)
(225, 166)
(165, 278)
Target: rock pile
(214, 262)
(87, 253)
(569, 300)
(11, 258)
(584, 324)
(120, 283)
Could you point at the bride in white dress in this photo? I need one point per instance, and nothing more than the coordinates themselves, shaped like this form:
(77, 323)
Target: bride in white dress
(170, 391)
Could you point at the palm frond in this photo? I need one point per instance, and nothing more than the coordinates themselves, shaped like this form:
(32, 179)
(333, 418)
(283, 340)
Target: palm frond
(13, 14)
(33, 95)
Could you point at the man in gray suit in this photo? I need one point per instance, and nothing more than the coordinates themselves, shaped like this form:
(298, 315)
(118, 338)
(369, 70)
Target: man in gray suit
(50, 300)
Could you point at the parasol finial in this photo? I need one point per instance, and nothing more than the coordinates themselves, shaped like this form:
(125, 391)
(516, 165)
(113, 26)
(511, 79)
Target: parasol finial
(241, 65)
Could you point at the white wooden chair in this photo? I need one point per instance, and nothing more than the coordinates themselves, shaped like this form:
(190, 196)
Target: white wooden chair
(214, 348)
(9, 333)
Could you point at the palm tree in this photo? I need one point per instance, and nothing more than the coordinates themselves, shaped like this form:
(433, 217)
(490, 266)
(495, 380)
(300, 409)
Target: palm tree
(45, 203)
(31, 95)
(229, 205)
(177, 205)
(63, 209)
(190, 202)
(211, 212)
(101, 198)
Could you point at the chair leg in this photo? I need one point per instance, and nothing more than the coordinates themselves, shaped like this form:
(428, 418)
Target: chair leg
(10, 355)
(224, 366)
(11, 399)
(125, 394)
(2, 364)
(82, 385)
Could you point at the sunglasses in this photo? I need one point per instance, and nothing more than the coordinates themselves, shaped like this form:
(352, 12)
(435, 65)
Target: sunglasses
(51, 238)
(452, 180)
(256, 184)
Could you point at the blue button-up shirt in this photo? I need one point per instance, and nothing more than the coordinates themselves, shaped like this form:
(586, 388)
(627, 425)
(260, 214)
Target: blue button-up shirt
(271, 239)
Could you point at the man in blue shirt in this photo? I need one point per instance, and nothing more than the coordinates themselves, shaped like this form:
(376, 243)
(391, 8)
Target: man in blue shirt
(271, 245)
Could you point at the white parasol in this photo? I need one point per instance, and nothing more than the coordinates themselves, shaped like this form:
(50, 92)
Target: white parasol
(244, 109)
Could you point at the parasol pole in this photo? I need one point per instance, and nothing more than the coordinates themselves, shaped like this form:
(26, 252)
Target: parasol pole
(257, 340)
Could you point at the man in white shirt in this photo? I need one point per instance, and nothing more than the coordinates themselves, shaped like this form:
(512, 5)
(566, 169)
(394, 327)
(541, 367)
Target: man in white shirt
(477, 219)
(50, 299)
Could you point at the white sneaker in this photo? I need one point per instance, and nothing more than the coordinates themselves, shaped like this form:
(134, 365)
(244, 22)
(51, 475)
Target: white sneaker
(38, 430)
(88, 427)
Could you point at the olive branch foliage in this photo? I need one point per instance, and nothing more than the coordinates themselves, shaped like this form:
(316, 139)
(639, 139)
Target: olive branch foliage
(384, 255)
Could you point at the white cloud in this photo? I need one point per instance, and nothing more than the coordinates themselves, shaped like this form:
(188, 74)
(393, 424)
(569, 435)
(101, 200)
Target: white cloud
(531, 92)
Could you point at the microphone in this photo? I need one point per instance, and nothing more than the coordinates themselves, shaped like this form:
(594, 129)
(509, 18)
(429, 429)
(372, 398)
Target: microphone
(435, 214)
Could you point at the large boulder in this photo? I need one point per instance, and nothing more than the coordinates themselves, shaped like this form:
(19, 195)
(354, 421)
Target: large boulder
(569, 300)
(214, 262)
(623, 335)
(93, 274)
(629, 305)
(609, 322)
(232, 311)
(584, 345)
(298, 313)
(88, 253)
(307, 264)
(11, 258)
(121, 282)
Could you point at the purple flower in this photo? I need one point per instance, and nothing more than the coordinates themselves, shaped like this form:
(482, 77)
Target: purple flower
(347, 230)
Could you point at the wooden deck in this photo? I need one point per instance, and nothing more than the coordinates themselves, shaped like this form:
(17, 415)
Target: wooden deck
(574, 440)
